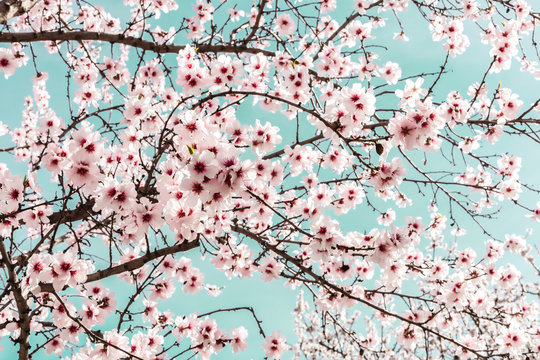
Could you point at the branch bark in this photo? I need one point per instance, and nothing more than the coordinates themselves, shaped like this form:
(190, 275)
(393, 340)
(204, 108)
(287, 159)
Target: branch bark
(79, 213)
(22, 307)
(260, 10)
(133, 264)
(24, 37)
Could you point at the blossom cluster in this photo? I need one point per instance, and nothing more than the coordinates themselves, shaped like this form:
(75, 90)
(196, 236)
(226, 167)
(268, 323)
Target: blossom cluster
(160, 159)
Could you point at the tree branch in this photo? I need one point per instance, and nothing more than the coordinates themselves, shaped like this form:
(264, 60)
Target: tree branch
(133, 264)
(22, 307)
(23, 37)
(325, 283)
(260, 10)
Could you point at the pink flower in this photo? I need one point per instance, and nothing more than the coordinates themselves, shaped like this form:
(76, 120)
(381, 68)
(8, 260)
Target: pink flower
(515, 243)
(191, 76)
(114, 196)
(68, 270)
(4, 129)
(509, 103)
(284, 25)
(71, 333)
(264, 137)
(60, 312)
(509, 189)
(162, 289)
(508, 276)
(186, 326)
(361, 6)
(203, 165)
(149, 214)
(236, 14)
(494, 250)
(391, 72)
(471, 343)
(55, 346)
(480, 302)
(439, 269)
(12, 191)
(321, 196)
(83, 173)
(535, 215)
(387, 217)
(88, 94)
(412, 92)
(466, 258)
(8, 62)
(270, 269)
(150, 312)
(469, 144)
(194, 281)
(513, 340)
(275, 345)
(238, 339)
(389, 174)
(408, 335)
(89, 314)
(359, 101)
(37, 267)
(509, 165)
(300, 158)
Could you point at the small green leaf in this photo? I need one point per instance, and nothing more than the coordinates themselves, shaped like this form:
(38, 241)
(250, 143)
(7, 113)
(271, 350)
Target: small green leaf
(190, 148)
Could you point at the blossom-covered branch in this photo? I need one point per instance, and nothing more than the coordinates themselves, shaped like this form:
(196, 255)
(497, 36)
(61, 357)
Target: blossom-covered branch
(294, 142)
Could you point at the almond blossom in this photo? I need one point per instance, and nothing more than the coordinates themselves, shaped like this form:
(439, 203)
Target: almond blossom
(269, 145)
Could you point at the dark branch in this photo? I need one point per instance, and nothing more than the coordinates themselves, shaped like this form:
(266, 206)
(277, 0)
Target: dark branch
(133, 264)
(24, 37)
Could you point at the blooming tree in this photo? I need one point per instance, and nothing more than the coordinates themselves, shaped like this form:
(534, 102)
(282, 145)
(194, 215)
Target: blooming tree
(155, 160)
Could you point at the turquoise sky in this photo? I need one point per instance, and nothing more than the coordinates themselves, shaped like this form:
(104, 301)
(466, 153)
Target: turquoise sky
(272, 301)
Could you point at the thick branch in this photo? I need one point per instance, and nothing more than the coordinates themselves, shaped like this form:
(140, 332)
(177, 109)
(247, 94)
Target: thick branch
(260, 10)
(22, 306)
(79, 213)
(133, 264)
(23, 37)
